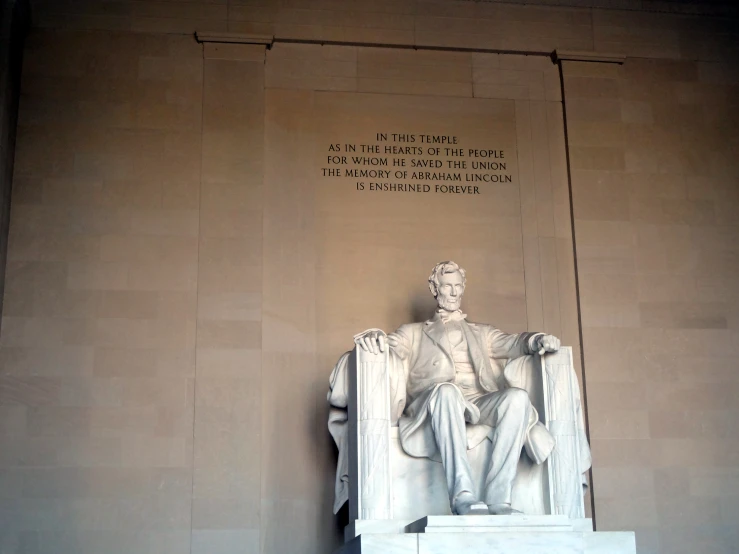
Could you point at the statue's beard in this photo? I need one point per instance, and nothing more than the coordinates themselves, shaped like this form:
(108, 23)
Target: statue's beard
(448, 304)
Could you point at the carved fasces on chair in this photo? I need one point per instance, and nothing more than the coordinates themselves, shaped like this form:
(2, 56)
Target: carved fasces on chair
(562, 418)
(370, 492)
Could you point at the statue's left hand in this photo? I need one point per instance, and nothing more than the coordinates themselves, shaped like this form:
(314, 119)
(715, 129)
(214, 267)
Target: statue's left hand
(547, 343)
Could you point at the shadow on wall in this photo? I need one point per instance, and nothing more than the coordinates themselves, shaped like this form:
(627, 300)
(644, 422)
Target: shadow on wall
(422, 307)
(15, 16)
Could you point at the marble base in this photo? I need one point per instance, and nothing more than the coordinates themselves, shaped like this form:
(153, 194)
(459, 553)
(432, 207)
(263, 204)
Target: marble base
(375, 526)
(484, 535)
(490, 524)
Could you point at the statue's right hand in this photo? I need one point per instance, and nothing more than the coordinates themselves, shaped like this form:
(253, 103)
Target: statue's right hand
(372, 340)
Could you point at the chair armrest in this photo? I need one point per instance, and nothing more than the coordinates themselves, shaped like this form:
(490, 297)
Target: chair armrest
(370, 479)
(563, 419)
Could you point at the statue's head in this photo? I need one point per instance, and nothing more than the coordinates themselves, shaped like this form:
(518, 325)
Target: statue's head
(446, 283)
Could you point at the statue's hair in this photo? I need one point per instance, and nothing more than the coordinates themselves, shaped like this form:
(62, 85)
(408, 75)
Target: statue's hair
(440, 269)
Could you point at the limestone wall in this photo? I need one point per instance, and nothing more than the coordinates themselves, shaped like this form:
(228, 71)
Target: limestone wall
(182, 274)
(642, 28)
(99, 323)
(655, 194)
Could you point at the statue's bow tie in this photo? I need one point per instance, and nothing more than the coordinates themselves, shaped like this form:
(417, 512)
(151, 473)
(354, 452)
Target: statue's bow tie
(456, 315)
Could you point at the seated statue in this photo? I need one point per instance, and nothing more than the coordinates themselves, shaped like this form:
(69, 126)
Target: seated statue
(449, 373)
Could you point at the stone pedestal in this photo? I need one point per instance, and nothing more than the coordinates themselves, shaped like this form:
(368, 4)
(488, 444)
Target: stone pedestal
(518, 534)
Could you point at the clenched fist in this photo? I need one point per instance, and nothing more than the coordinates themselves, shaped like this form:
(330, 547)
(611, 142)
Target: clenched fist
(547, 343)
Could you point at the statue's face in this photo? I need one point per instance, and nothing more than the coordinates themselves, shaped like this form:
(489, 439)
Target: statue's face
(450, 290)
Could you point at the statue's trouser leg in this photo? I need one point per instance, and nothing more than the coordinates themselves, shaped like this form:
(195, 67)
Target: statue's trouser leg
(508, 412)
(446, 407)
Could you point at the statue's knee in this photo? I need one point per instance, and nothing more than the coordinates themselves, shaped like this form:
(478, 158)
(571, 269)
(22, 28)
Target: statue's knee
(446, 395)
(447, 392)
(517, 399)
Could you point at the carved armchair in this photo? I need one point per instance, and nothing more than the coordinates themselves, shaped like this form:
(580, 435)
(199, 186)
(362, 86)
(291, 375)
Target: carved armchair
(387, 484)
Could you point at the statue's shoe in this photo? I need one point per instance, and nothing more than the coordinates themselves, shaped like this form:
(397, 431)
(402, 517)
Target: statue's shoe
(503, 510)
(467, 505)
